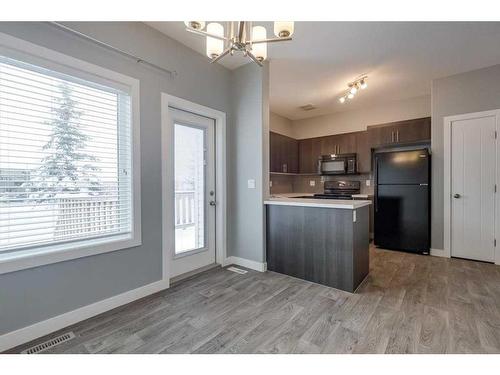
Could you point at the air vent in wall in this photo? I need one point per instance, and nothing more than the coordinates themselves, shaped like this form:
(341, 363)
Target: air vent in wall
(237, 270)
(49, 344)
(307, 107)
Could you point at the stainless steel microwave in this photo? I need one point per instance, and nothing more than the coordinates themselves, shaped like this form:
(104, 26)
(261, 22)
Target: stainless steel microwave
(337, 164)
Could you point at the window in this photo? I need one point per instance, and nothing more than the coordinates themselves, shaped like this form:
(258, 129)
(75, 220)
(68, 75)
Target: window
(66, 159)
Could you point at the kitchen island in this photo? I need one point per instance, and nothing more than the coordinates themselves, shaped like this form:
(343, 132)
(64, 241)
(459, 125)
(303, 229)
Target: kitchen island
(325, 241)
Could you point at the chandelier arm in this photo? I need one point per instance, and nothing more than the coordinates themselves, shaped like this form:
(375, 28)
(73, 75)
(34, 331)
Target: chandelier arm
(252, 56)
(204, 33)
(240, 31)
(271, 40)
(221, 55)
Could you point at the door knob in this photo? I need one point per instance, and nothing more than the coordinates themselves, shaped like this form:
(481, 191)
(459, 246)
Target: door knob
(456, 196)
(212, 203)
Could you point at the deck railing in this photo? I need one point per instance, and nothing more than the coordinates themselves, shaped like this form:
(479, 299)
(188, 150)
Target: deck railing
(78, 215)
(184, 209)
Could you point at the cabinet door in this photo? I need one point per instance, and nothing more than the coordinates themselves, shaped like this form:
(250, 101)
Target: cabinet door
(292, 155)
(418, 130)
(363, 150)
(326, 145)
(346, 143)
(380, 135)
(306, 155)
(273, 152)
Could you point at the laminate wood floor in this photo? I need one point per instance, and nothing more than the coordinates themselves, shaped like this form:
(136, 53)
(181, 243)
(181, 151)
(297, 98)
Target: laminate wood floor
(408, 304)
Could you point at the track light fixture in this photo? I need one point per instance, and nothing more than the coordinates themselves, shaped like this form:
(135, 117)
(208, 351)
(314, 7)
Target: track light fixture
(353, 88)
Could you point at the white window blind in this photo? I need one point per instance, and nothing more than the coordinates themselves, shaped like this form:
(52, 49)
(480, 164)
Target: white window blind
(65, 158)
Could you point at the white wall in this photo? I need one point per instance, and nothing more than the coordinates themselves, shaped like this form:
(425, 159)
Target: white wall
(357, 120)
(281, 125)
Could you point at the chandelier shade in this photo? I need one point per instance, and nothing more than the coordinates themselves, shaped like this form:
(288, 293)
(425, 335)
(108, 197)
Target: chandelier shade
(215, 46)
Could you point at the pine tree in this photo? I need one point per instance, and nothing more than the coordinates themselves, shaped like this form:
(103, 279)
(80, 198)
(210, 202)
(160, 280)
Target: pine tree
(66, 168)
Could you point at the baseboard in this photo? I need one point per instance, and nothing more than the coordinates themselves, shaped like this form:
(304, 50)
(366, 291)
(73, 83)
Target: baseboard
(252, 264)
(26, 334)
(439, 253)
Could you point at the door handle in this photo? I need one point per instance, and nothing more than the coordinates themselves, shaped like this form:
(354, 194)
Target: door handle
(456, 196)
(212, 203)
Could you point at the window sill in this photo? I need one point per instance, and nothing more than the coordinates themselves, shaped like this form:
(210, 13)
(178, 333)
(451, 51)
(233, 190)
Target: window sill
(35, 257)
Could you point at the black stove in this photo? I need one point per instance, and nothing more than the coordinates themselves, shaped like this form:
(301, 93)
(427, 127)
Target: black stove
(339, 190)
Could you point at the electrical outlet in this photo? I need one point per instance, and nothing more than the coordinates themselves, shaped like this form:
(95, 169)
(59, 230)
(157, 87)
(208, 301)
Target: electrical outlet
(251, 184)
(312, 183)
(368, 182)
(270, 184)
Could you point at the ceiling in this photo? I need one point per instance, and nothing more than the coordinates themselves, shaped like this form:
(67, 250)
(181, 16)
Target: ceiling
(400, 58)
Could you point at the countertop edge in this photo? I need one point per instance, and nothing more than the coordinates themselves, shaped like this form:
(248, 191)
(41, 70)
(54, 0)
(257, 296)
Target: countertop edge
(320, 203)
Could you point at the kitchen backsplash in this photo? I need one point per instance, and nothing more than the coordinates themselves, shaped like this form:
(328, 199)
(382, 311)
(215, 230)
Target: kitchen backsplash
(302, 183)
(281, 184)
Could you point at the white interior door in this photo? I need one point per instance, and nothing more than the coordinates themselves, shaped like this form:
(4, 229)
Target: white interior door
(473, 178)
(194, 192)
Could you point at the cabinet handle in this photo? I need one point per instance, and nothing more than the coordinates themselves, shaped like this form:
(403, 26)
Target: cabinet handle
(397, 136)
(392, 137)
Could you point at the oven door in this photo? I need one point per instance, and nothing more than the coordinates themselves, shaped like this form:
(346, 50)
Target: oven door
(333, 166)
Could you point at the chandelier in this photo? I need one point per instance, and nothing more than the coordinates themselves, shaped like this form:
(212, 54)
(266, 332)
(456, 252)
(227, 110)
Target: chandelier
(239, 36)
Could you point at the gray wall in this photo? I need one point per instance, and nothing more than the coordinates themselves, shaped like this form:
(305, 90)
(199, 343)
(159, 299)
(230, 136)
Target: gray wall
(36, 294)
(474, 91)
(248, 150)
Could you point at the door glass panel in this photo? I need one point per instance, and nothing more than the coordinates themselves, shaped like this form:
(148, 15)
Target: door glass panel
(189, 188)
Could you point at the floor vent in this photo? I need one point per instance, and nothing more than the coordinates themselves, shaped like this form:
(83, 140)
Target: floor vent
(49, 344)
(237, 270)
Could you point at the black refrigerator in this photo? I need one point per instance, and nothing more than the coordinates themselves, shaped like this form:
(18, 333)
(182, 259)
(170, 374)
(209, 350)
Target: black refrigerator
(402, 200)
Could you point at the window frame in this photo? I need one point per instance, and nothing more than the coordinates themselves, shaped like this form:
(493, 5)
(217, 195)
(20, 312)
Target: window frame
(53, 253)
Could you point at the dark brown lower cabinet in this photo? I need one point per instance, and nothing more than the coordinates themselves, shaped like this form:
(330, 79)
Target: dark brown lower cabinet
(322, 245)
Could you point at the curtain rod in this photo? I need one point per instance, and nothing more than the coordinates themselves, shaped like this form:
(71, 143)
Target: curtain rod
(137, 59)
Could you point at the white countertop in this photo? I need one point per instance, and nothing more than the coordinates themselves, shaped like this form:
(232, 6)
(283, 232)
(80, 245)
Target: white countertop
(289, 200)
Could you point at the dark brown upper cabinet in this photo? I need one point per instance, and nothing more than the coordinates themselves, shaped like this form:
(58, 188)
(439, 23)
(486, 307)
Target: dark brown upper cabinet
(283, 153)
(400, 132)
(364, 152)
(309, 151)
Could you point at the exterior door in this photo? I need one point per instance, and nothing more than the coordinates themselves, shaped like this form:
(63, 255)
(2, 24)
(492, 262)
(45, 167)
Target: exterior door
(194, 192)
(473, 178)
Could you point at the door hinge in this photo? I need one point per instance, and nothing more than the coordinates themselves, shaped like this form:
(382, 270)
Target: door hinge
(495, 134)
(495, 188)
(495, 242)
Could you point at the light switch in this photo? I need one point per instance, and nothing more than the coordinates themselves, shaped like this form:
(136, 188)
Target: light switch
(251, 184)
(368, 182)
(354, 216)
(312, 183)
